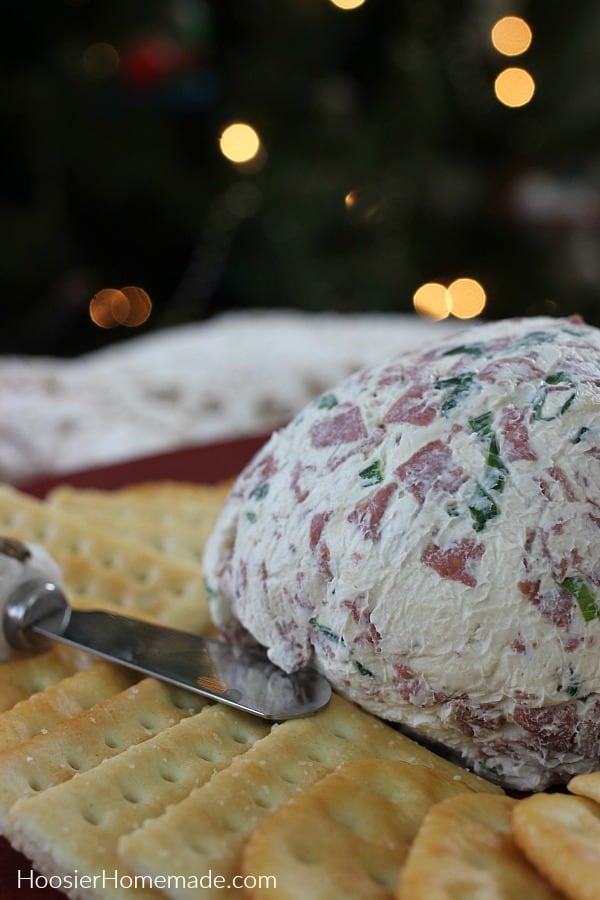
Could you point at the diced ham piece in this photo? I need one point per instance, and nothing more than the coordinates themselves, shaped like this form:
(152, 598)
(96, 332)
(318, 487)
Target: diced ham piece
(457, 562)
(412, 408)
(430, 468)
(342, 428)
(515, 435)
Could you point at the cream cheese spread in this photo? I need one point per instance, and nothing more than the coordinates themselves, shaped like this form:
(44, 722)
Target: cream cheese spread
(427, 535)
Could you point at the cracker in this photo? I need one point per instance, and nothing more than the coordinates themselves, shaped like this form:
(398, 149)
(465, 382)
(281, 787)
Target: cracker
(587, 785)
(168, 502)
(104, 570)
(345, 836)
(79, 743)
(465, 848)
(26, 675)
(206, 831)
(184, 543)
(560, 835)
(61, 701)
(76, 825)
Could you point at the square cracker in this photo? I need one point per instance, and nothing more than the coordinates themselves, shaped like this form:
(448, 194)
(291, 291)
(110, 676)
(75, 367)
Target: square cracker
(175, 519)
(60, 701)
(345, 836)
(465, 848)
(82, 741)
(206, 831)
(104, 570)
(26, 675)
(77, 824)
(560, 835)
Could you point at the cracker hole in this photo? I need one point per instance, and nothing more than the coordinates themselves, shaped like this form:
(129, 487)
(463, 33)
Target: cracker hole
(148, 724)
(307, 854)
(90, 816)
(239, 738)
(170, 776)
(338, 732)
(130, 796)
(111, 742)
(316, 758)
(74, 763)
(235, 826)
(291, 776)
(382, 879)
(207, 754)
(262, 802)
(35, 784)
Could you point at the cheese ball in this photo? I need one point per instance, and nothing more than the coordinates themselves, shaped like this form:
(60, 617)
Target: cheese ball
(427, 535)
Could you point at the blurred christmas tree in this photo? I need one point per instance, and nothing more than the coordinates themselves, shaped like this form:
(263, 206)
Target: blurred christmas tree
(386, 160)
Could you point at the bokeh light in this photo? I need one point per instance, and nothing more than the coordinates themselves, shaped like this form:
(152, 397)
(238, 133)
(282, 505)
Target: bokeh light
(140, 306)
(129, 306)
(432, 300)
(100, 61)
(365, 206)
(467, 298)
(347, 4)
(514, 87)
(239, 143)
(511, 36)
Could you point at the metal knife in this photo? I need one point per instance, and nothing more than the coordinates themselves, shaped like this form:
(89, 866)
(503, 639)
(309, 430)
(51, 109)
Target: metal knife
(37, 612)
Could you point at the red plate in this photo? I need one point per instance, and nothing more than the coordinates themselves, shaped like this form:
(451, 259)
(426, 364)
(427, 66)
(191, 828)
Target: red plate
(204, 464)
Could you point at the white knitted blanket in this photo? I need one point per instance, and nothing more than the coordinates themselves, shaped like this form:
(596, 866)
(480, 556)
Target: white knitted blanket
(235, 375)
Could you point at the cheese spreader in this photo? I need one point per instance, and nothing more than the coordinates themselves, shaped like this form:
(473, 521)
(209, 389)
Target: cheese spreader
(37, 612)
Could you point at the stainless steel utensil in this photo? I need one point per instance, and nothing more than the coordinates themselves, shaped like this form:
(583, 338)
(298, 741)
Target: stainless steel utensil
(37, 612)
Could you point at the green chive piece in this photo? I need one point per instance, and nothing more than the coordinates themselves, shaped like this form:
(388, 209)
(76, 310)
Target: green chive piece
(470, 349)
(540, 400)
(580, 435)
(327, 632)
(372, 474)
(460, 384)
(584, 594)
(482, 508)
(362, 669)
(327, 401)
(260, 492)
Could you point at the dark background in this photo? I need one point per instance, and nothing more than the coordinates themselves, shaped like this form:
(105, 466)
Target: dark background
(111, 173)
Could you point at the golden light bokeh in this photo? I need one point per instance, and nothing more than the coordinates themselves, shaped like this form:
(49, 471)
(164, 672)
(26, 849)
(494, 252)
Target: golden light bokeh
(140, 306)
(511, 36)
(347, 4)
(365, 205)
(432, 300)
(467, 298)
(130, 306)
(514, 87)
(239, 142)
